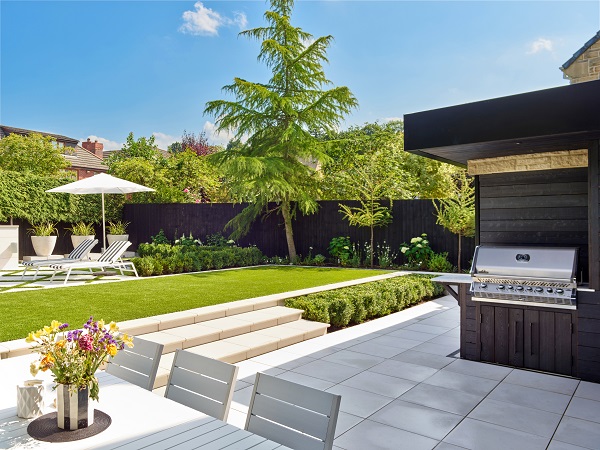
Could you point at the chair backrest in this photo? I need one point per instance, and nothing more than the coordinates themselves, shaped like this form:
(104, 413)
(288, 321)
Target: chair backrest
(138, 365)
(202, 383)
(291, 414)
(83, 249)
(114, 251)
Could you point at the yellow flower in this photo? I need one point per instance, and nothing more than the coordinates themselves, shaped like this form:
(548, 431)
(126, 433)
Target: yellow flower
(112, 349)
(128, 340)
(38, 333)
(30, 338)
(60, 344)
(47, 330)
(54, 325)
(47, 362)
(101, 323)
(113, 327)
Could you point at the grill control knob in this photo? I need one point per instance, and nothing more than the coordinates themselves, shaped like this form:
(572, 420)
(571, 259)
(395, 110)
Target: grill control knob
(539, 289)
(529, 289)
(560, 291)
(519, 288)
(501, 287)
(510, 287)
(483, 286)
(549, 290)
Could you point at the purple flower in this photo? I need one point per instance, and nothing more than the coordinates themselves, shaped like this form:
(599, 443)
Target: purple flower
(63, 326)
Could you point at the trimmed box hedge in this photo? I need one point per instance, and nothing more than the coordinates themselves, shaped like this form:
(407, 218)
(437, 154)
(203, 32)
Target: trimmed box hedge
(355, 304)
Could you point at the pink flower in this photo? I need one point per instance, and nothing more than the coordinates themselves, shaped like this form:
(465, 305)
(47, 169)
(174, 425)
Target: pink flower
(186, 190)
(85, 342)
(197, 200)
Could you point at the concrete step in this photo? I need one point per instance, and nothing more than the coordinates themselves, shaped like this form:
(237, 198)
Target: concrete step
(247, 345)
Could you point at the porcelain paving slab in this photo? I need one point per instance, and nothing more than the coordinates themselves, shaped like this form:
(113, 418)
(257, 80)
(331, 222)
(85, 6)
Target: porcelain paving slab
(358, 402)
(393, 341)
(528, 420)
(283, 360)
(345, 422)
(430, 329)
(462, 382)
(408, 371)
(372, 348)
(531, 397)
(412, 335)
(557, 445)
(353, 359)
(560, 385)
(448, 446)
(379, 384)
(588, 390)
(449, 400)
(424, 359)
(418, 419)
(306, 380)
(477, 435)
(479, 369)
(578, 432)
(436, 349)
(328, 371)
(376, 436)
(583, 408)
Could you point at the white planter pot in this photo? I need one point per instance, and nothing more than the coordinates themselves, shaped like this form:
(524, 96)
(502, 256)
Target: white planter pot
(110, 238)
(76, 240)
(74, 409)
(43, 245)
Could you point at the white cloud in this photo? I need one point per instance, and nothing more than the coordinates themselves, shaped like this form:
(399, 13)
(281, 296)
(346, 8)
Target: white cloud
(214, 137)
(163, 140)
(539, 45)
(108, 144)
(393, 119)
(204, 21)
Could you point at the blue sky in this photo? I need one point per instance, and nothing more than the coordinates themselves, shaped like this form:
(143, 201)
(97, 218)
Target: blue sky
(105, 68)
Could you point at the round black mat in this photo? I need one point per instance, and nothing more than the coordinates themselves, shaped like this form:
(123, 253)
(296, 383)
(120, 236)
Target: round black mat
(45, 428)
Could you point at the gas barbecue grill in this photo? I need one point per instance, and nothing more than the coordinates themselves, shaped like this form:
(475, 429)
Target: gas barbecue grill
(539, 276)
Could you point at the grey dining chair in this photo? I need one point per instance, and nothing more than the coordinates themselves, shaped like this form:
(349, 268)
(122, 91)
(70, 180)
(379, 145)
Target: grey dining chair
(202, 383)
(291, 414)
(137, 365)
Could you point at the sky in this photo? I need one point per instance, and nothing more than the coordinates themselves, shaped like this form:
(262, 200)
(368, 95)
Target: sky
(103, 69)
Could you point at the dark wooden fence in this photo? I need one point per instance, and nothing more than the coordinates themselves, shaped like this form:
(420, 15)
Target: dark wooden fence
(410, 219)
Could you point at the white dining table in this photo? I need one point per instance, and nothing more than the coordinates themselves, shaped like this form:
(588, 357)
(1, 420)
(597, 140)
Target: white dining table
(140, 419)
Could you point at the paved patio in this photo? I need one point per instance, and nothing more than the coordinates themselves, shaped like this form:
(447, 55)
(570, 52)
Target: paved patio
(403, 387)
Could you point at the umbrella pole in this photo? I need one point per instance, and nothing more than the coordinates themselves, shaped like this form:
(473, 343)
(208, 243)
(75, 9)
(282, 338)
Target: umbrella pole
(103, 226)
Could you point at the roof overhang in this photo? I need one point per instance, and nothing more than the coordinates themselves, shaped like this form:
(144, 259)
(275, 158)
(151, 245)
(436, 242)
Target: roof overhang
(563, 118)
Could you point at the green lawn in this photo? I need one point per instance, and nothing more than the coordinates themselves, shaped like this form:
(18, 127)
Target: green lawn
(27, 311)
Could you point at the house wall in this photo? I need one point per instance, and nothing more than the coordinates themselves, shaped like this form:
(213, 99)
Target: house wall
(586, 67)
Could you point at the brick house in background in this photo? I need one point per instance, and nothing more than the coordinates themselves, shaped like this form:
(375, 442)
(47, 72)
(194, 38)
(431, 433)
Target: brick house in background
(584, 65)
(86, 160)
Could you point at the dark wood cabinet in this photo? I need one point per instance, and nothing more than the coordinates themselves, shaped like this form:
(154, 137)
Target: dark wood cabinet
(527, 337)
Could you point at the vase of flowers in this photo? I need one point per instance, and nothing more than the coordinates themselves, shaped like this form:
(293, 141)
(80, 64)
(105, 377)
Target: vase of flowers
(73, 357)
(42, 238)
(80, 232)
(117, 231)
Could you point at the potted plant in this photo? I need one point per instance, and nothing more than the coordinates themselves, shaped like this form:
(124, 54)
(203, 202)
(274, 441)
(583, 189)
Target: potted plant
(80, 232)
(42, 239)
(117, 231)
(73, 357)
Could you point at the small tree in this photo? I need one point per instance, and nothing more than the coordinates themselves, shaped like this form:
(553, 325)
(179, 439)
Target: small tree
(198, 144)
(33, 153)
(457, 212)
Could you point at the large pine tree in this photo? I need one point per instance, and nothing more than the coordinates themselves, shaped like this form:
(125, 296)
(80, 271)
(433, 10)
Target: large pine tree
(275, 164)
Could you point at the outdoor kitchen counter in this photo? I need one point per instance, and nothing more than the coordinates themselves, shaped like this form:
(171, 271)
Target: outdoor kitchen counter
(452, 279)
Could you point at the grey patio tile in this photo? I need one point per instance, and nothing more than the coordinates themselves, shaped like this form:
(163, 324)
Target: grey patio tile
(328, 371)
(412, 335)
(345, 422)
(306, 380)
(399, 326)
(462, 382)
(588, 390)
(427, 329)
(239, 384)
(357, 402)
(531, 397)
(442, 322)
(528, 420)
(393, 341)
(446, 340)
(436, 349)
(543, 381)
(380, 384)
(557, 445)
(282, 359)
(479, 369)
(358, 340)
(418, 419)
(578, 432)
(449, 400)
(376, 436)
(583, 408)
(424, 359)
(477, 435)
(447, 446)
(371, 348)
(243, 396)
(399, 369)
(353, 359)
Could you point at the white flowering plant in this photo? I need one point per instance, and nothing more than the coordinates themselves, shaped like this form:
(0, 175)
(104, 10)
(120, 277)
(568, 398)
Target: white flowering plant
(418, 252)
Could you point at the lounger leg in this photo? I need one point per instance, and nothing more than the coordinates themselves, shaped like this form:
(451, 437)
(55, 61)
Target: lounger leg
(36, 272)
(53, 275)
(67, 276)
(23, 274)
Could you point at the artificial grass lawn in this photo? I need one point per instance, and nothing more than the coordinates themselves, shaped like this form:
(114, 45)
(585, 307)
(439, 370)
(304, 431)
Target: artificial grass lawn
(23, 312)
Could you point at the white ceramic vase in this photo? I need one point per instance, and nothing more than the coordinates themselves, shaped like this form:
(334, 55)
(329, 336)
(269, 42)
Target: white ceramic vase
(76, 240)
(74, 408)
(43, 245)
(110, 238)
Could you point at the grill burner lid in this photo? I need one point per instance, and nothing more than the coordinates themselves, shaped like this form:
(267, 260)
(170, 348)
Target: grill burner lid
(540, 275)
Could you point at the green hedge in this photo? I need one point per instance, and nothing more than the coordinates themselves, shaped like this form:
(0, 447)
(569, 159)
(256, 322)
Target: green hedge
(355, 304)
(161, 259)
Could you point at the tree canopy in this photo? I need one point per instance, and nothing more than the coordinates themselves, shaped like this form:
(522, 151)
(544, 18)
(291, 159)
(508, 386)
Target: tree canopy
(33, 153)
(275, 163)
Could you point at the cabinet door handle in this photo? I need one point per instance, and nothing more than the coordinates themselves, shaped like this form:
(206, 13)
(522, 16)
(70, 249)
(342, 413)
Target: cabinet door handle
(531, 338)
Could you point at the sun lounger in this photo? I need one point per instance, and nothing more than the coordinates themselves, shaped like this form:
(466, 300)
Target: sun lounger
(111, 258)
(79, 253)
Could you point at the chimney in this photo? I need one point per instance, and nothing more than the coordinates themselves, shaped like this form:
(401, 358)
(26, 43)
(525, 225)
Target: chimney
(94, 147)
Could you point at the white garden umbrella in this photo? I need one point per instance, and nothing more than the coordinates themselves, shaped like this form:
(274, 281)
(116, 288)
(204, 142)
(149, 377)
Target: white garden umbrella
(101, 184)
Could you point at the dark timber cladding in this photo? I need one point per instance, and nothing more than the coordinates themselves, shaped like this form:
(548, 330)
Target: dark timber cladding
(559, 207)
